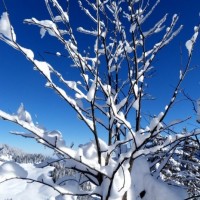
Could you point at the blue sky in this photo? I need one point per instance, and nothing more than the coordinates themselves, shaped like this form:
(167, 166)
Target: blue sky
(19, 83)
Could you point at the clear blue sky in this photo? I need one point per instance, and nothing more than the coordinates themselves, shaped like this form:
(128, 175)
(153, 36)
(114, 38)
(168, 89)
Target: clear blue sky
(19, 83)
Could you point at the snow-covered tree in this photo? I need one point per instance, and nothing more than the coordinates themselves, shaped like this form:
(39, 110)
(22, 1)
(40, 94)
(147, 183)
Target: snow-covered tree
(179, 167)
(108, 97)
(19, 156)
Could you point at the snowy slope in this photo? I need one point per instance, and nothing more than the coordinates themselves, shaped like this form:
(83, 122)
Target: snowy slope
(17, 189)
(21, 189)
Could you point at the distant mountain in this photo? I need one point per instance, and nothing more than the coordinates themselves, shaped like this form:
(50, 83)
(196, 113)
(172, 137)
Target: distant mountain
(11, 153)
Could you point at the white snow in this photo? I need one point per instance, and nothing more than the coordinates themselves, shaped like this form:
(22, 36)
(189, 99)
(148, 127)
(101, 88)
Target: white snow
(78, 96)
(82, 30)
(64, 15)
(143, 183)
(121, 182)
(141, 75)
(17, 189)
(59, 18)
(42, 32)
(190, 43)
(135, 87)
(86, 78)
(112, 68)
(54, 138)
(5, 28)
(121, 104)
(91, 92)
(11, 169)
(136, 104)
(88, 153)
(180, 74)
(28, 52)
(58, 53)
(44, 67)
(138, 181)
(128, 48)
(46, 25)
(159, 190)
(155, 122)
(23, 114)
(133, 27)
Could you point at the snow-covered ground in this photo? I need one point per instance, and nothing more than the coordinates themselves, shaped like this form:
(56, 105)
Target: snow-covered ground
(19, 189)
(16, 189)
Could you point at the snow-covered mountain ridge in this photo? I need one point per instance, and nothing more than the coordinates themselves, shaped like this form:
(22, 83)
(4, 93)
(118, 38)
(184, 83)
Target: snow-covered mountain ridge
(8, 153)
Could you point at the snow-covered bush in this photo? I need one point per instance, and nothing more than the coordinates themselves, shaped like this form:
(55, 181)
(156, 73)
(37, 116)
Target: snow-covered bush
(108, 97)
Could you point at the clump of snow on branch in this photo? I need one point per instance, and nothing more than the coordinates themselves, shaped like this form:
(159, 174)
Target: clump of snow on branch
(43, 67)
(190, 43)
(46, 25)
(58, 53)
(155, 122)
(91, 92)
(24, 115)
(5, 27)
